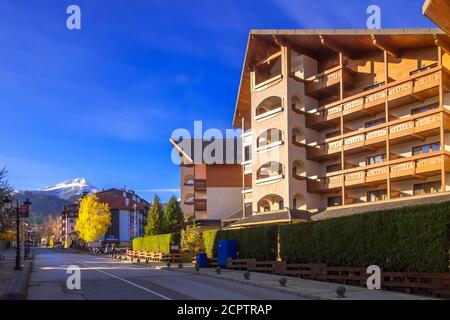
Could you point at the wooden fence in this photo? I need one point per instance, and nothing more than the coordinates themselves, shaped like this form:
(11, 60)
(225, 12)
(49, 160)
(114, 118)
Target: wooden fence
(435, 284)
(151, 256)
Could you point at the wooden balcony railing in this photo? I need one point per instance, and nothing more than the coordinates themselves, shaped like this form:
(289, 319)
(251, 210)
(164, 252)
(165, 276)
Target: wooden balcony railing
(416, 166)
(328, 82)
(199, 185)
(399, 130)
(419, 86)
(200, 204)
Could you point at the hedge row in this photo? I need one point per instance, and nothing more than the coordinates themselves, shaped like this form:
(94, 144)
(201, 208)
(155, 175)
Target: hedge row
(259, 243)
(158, 243)
(408, 239)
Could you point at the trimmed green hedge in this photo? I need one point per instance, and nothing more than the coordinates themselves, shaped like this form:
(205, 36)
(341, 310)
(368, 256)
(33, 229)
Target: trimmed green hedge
(159, 243)
(259, 243)
(409, 239)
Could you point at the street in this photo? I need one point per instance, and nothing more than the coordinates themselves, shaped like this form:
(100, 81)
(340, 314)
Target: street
(107, 279)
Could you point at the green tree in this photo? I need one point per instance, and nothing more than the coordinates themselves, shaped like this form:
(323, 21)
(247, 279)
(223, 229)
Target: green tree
(154, 220)
(173, 217)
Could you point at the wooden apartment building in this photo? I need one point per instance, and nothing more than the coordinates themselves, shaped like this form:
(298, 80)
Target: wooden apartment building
(340, 121)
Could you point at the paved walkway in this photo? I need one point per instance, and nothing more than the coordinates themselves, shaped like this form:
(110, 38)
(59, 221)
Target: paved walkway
(7, 272)
(308, 289)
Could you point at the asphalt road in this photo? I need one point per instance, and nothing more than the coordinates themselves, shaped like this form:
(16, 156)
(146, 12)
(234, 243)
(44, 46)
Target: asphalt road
(103, 278)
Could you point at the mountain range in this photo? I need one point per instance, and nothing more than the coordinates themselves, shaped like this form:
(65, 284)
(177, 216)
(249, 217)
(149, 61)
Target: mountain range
(51, 200)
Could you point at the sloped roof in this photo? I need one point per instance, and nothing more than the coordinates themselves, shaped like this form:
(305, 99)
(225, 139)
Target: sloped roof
(214, 151)
(309, 42)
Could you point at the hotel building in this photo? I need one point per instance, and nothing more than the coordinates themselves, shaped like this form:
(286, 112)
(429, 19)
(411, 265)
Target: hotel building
(339, 122)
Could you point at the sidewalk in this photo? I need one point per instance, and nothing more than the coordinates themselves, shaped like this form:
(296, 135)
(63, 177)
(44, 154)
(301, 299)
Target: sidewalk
(13, 283)
(308, 289)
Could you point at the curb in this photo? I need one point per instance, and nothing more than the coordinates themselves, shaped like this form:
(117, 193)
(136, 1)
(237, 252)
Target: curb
(248, 282)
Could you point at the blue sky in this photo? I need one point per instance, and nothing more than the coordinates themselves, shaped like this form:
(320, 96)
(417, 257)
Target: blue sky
(101, 102)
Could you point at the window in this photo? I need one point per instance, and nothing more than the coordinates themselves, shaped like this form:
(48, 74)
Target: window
(247, 153)
(425, 188)
(374, 86)
(376, 195)
(270, 169)
(376, 159)
(280, 205)
(374, 123)
(334, 201)
(424, 108)
(268, 137)
(332, 134)
(334, 167)
(427, 148)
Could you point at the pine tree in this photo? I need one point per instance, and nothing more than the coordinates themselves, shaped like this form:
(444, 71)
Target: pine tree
(173, 217)
(154, 220)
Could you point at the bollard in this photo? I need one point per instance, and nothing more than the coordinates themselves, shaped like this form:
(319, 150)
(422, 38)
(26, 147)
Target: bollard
(341, 291)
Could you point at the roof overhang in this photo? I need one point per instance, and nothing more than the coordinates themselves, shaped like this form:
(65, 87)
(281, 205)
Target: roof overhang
(438, 11)
(319, 43)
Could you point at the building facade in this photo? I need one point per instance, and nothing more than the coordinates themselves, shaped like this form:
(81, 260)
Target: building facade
(210, 189)
(128, 217)
(337, 121)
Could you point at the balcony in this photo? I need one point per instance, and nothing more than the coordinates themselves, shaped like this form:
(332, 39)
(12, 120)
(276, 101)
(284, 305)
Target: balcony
(328, 83)
(418, 87)
(421, 166)
(419, 126)
(325, 151)
(199, 185)
(200, 204)
(247, 195)
(247, 167)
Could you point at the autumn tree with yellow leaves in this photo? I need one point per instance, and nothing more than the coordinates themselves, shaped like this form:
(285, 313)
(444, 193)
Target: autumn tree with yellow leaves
(94, 218)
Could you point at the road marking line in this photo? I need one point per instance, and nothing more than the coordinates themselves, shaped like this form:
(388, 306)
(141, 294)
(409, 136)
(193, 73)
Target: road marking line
(127, 281)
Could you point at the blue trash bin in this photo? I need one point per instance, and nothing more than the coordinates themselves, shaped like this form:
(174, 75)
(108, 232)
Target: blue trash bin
(201, 260)
(226, 249)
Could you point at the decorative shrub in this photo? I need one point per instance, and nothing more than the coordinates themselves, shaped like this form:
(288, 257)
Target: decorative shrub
(259, 243)
(158, 243)
(410, 239)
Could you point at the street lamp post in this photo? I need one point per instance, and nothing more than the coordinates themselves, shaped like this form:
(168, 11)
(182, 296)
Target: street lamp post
(24, 209)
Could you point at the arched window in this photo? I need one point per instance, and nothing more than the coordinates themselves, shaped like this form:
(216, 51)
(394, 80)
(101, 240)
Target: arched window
(296, 104)
(298, 169)
(269, 169)
(189, 199)
(297, 202)
(189, 180)
(269, 203)
(297, 136)
(269, 137)
(268, 107)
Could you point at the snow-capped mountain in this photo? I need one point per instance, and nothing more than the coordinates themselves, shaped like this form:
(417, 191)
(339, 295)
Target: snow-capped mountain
(70, 189)
(51, 200)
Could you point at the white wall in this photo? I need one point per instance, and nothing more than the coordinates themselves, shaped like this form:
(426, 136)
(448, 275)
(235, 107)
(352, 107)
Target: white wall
(124, 225)
(223, 202)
